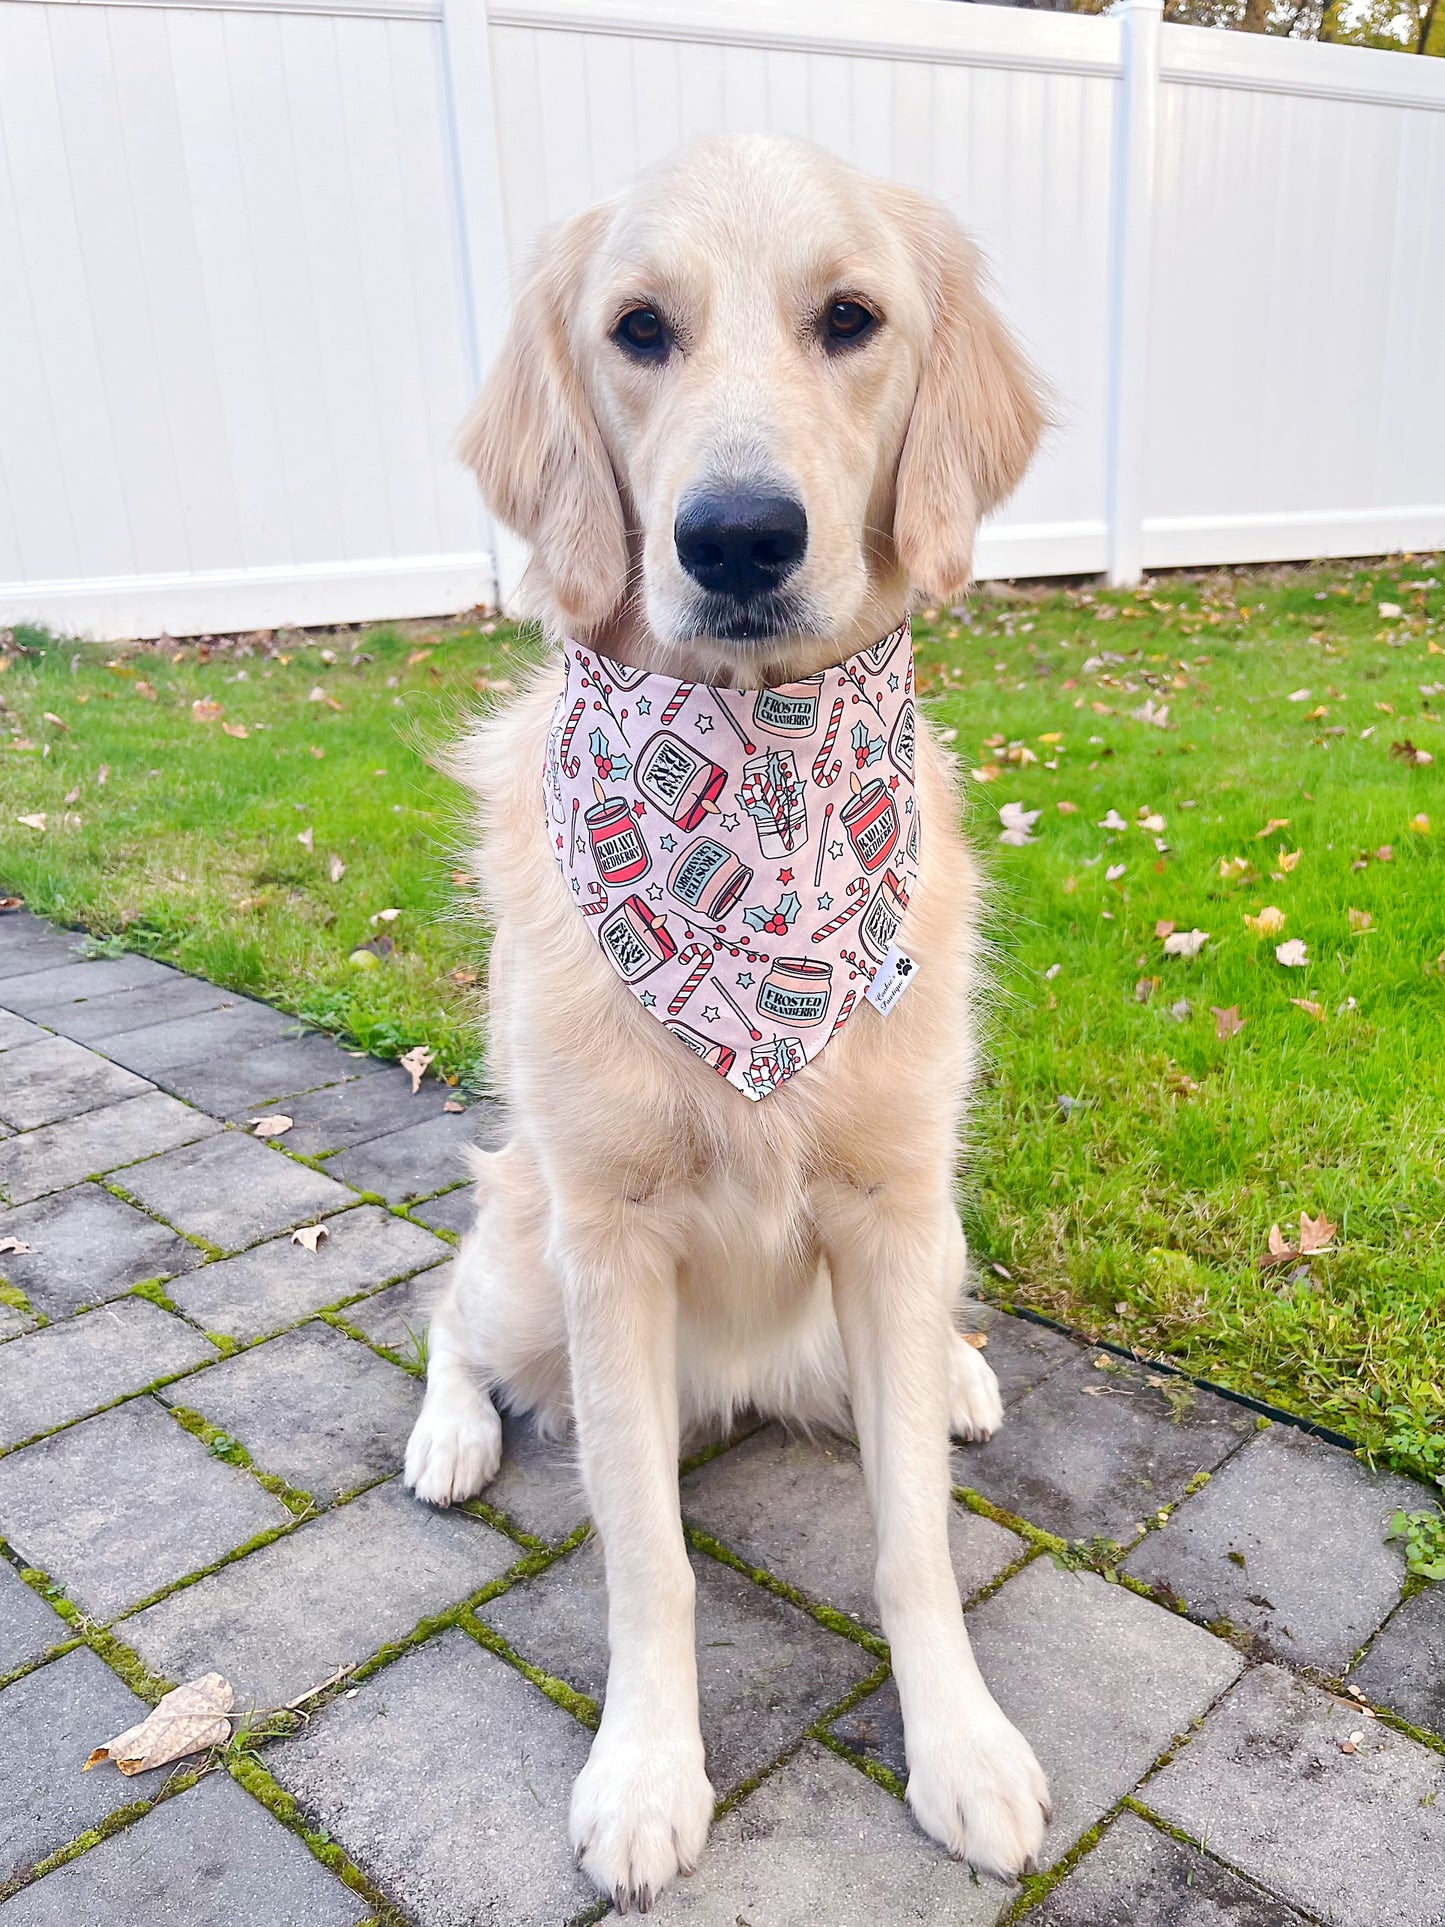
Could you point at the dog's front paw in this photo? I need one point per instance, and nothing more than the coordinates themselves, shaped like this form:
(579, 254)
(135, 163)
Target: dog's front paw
(455, 1446)
(640, 1813)
(975, 1409)
(975, 1786)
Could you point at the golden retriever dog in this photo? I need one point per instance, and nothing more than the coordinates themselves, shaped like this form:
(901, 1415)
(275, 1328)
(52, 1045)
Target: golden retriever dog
(804, 360)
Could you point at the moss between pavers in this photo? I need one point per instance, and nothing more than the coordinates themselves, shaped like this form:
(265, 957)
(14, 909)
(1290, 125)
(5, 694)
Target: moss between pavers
(113, 1823)
(827, 1616)
(223, 1445)
(248, 1772)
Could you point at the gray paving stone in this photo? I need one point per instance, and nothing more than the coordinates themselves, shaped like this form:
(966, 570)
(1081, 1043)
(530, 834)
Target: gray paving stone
(15, 1323)
(1287, 1541)
(799, 1507)
(120, 1505)
(91, 1020)
(1405, 1667)
(50, 1722)
(398, 1317)
(18, 1030)
(274, 1284)
(416, 1161)
(1357, 1838)
(1139, 1877)
(766, 1671)
(228, 1031)
(233, 1190)
(87, 1246)
(316, 1408)
(211, 1857)
(1098, 1680)
(266, 1079)
(80, 1364)
(819, 1842)
(27, 945)
(28, 1627)
(1021, 1353)
(56, 1078)
(539, 1487)
(486, 1840)
(58, 1155)
(1095, 1452)
(46, 992)
(348, 1114)
(284, 1619)
(452, 1211)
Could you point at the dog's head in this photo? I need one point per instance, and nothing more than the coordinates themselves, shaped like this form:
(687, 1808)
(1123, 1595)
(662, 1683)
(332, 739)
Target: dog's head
(746, 407)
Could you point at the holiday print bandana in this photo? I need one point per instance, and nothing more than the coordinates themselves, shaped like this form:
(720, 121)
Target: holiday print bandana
(743, 856)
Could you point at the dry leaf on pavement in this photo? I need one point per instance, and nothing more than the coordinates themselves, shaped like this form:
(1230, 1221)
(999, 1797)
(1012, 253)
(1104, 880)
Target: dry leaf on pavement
(1294, 955)
(1268, 923)
(415, 1061)
(1185, 943)
(274, 1126)
(309, 1235)
(452, 1105)
(13, 1247)
(1228, 1023)
(188, 1720)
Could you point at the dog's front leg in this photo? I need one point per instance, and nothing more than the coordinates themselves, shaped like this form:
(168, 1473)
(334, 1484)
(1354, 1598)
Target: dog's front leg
(973, 1782)
(642, 1804)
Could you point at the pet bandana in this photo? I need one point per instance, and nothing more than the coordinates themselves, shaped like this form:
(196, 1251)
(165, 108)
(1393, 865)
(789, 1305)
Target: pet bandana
(743, 856)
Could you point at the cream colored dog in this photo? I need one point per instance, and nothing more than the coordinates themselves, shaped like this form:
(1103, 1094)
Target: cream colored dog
(754, 325)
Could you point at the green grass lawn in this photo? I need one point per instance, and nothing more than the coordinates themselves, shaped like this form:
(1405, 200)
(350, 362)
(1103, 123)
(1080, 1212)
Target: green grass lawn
(1130, 1150)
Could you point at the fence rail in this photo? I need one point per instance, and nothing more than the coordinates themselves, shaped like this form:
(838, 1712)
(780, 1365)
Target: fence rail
(255, 254)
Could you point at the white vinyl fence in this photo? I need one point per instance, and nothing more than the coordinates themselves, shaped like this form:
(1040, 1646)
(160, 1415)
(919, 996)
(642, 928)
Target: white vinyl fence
(254, 255)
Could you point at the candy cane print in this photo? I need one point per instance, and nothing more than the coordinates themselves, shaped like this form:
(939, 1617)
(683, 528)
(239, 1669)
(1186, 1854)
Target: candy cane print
(571, 764)
(845, 1011)
(822, 775)
(722, 991)
(822, 848)
(750, 748)
(669, 715)
(858, 890)
(572, 838)
(700, 957)
(597, 901)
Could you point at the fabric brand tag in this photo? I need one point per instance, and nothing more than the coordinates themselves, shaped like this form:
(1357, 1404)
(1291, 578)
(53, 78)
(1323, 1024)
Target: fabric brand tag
(894, 975)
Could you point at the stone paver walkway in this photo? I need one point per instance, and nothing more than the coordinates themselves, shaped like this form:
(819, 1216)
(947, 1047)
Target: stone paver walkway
(1238, 1699)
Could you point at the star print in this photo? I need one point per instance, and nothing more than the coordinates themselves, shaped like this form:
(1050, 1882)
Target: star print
(825, 902)
(647, 1000)
(729, 820)
(785, 876)
(908, 807)
(745, 980)
(576, 888)
(892, 682)
(639, 809)
(893, 782)
(704, 724)
(644, 708)
(654, 893)
(667, 842)
(710, 1013)
(835, 850)
(559, 843)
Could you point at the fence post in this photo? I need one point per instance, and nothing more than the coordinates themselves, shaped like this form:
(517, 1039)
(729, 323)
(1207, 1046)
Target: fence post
(481, 223)
(1141, 23)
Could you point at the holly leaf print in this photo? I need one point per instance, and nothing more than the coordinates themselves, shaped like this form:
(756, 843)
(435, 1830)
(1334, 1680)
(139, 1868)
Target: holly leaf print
(866, 749)
(776, 922)
(608, 764)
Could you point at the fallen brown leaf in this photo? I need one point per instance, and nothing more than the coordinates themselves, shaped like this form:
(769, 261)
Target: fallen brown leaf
(1316, 1234)
(978, 1340)
(1164, 928)
(1407, 753)
(452, 1105)
(59, 721)
(1185, 943)
(147, 690)
(236, 729)
(1065, 808)
(464, 979)
(1317, 1011)
(1289, 859)
(309, 1235)
(415, 1062)
(338, 869)
(1360, 919)
(1294, 955)
(12, 1247)
(1274, 823)
(306, 838)
(1385, 853)
(203, 710)
(189, 1719)
(274, 1126)
(1269, 922)
(1228, 1023)
(35, 820)
(1420, 824)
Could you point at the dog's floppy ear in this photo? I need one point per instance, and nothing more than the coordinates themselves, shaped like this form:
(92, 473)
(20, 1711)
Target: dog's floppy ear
(977, 417)
(535, 446)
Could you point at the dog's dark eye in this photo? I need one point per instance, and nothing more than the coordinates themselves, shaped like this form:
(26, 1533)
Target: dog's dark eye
(643, 333)
(846, 323)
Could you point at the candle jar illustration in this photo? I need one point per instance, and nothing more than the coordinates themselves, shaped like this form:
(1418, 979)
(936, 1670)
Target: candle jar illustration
(637, 942)
(679, 780)
(870, 821)
(617, 846)
(717, 1057)
(912, 844)
(791, 709)
(901, 740)
(880, 925)
(877, 657)
(796, 991)
(774, 798)
(709, 879)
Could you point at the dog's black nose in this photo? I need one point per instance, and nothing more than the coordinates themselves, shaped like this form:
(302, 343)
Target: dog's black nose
(736, 542)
